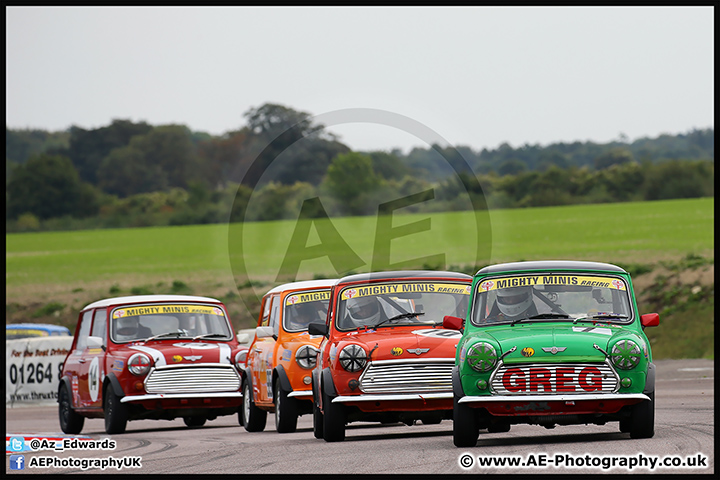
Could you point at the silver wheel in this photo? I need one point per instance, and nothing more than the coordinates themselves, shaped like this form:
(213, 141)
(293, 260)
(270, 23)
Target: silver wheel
(246, 405)
(254, 418)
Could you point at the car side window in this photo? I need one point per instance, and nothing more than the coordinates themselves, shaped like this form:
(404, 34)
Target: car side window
(99, 324)
(275, 314)
(266, 312)
(84, 332)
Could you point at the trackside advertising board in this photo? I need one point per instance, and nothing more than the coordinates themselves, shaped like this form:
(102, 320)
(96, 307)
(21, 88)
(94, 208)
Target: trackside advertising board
(32, 369)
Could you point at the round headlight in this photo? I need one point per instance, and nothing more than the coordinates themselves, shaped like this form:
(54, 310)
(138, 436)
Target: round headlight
(353, 358)
(482, 357)
(625, 354)
(306, 356)
(139, 364)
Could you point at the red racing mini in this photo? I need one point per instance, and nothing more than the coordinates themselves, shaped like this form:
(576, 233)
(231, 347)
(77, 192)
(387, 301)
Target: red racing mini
(151, 357)
(385, 356)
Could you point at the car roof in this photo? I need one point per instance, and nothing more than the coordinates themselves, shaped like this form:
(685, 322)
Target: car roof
(148, 299)
(557, 265)
(403, 274)
(303, 284)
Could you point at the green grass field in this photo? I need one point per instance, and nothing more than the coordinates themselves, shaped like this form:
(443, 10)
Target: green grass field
(617, 233)
(51, 276)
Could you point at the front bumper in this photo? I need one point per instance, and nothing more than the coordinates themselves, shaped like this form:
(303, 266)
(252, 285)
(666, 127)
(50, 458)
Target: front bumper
(301, 394)
(562, 405)
(393, 397)
(178, 396)
(551, 398)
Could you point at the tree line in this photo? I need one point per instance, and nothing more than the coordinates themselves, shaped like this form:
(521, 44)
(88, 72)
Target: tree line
(131, 174)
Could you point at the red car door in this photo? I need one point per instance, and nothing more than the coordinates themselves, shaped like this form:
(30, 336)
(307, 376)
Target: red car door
(91, 361)
(76, 365)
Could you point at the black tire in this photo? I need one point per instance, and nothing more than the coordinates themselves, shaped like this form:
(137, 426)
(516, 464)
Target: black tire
(70, 421)
(317, 421)
(254, 419)
(625, 425)
(334, 420)
(465, 427)
(116, 413)
(286, 412)
(194, 422)
(642, 418)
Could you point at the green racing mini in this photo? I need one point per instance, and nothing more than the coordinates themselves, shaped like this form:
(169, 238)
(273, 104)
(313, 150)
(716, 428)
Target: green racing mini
(552, 343)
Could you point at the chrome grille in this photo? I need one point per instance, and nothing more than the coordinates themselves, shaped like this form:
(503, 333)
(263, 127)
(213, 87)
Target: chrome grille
(193, 379)
(552, 379)
(421, 376)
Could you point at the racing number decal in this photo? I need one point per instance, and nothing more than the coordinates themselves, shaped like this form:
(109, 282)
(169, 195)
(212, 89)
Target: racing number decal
(203, 346)
(75, 390)
(438, 333)
(94, 379)
(268, 381)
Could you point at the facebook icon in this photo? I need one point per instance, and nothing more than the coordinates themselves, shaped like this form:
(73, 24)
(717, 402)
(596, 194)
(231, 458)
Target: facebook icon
(17, 462)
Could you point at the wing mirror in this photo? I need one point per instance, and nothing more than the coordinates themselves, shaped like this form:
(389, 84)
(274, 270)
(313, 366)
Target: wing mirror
(453, 323)
(264, 332)
(650, 320)
(317, 329)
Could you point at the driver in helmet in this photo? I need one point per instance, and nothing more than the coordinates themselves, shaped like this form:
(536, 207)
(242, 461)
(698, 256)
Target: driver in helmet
(130, 328)
(302, 315)
(188, 324)
(511, 304)
(362, 311)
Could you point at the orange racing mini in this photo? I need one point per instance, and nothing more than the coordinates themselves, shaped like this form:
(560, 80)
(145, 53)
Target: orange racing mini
(385, 356)
(282, 355)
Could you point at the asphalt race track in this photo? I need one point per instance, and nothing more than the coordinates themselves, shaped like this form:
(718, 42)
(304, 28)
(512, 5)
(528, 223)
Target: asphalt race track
(684, 432)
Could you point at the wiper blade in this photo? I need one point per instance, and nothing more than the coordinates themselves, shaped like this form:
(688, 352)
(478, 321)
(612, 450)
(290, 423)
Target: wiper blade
(402, 315)
(541, 316)
(209, 335)
(166, 334)
(549, 315)
(405, 315)
(602, 316)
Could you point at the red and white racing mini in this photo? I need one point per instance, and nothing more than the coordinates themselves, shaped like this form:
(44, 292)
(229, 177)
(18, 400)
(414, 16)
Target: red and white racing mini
(151, 357)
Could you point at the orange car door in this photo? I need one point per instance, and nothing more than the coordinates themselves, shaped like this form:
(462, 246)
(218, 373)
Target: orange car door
(261, 353)
(268, 350)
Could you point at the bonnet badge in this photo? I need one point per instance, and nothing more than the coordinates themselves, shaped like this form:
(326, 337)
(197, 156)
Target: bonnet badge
(553, 349)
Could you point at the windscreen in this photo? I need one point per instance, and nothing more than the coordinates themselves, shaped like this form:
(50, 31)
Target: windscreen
(169, 321)
(303, 308)
(551, 297)
(401, 303)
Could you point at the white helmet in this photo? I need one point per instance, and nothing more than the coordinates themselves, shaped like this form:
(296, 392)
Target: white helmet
(363, 310)
(514, 301)
(126, 326)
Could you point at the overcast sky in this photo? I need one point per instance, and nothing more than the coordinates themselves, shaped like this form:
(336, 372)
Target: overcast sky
(473, 76)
